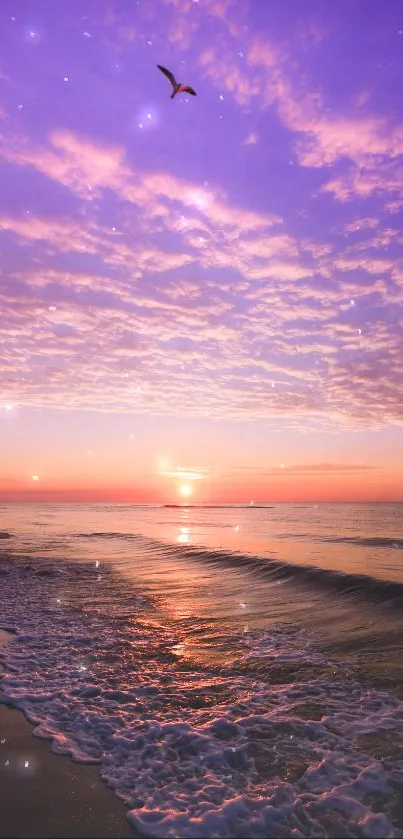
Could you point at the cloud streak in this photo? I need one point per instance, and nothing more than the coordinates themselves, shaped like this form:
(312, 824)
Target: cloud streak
(203, 343)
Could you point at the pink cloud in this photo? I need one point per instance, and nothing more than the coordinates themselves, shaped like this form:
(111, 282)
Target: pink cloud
(361, 224)
(360, 140)
(370, 180)
(265, 76)
(64, 234)
(110, 340)
(251, 139)
(189, 15)
(371, 265)
(165, 202)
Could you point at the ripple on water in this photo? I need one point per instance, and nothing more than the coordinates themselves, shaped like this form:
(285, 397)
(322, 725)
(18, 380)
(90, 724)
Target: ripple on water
(281, 742)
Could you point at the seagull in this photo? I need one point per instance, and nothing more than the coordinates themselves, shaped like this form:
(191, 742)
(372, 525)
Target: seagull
(178, 87)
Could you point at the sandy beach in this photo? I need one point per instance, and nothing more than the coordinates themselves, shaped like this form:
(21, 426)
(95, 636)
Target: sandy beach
(51, 796)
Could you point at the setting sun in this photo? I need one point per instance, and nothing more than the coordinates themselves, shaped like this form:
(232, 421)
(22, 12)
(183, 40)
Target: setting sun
(185, 490)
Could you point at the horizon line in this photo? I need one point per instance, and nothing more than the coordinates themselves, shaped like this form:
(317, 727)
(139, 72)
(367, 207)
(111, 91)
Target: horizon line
(155, 505)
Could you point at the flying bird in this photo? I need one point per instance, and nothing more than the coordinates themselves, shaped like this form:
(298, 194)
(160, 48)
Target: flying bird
(178, 87)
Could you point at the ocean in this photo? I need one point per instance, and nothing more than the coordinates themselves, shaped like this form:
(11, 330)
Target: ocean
(234, 671)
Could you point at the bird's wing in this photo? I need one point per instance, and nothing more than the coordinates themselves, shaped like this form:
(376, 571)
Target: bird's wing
(187, 89)
(168, 74)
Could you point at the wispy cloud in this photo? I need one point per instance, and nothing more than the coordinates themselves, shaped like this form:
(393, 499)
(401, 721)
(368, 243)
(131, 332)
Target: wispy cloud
(251, 139)
(267, 342)
(283, 470)
(263, 73)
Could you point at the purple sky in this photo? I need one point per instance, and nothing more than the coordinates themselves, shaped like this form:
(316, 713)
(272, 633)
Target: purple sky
(207, 287)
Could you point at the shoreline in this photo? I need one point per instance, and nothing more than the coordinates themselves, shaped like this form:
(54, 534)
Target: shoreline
(51, 796)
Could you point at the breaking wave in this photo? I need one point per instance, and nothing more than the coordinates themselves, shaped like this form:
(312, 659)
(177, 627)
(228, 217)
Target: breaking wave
(198, 750)
(337, 582)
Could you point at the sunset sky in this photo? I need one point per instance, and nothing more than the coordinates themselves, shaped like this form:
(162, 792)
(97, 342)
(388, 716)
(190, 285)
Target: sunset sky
(201, 299)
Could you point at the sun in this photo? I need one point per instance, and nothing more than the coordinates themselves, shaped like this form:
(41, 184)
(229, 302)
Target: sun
(185, 490)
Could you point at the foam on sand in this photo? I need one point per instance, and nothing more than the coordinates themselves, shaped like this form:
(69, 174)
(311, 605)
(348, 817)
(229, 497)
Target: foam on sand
(58, 799)
(198, 751)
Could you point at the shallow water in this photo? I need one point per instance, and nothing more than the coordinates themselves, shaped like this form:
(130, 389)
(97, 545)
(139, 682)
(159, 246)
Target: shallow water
(234, 671)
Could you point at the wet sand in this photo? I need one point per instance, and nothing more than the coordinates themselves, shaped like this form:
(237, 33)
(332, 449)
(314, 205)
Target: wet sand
(51, 796)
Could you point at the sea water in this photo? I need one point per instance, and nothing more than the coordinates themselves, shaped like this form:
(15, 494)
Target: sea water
(234, 671)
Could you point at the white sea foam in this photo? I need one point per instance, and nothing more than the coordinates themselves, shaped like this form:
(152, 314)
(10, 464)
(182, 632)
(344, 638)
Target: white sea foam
(195, 751)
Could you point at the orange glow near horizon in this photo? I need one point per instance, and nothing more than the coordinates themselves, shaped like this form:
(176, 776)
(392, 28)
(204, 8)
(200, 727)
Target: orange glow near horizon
(48, 461)
(314, 484)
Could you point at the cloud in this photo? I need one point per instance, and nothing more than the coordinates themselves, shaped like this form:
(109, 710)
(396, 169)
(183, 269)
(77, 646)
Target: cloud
(190, 304)
(329, 468)
(372, 179)
(251, 139)
(205, 219)
(253, 76)
(358, 139)
(181, 473)
(263, 74)
(63, 234)
(259, 72)
(187, 19)
(284, 469)
(361, 224)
